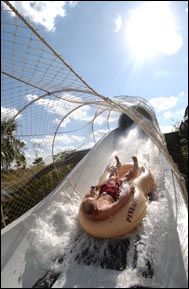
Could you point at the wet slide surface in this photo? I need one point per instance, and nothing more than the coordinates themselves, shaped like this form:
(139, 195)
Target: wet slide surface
(47, 247)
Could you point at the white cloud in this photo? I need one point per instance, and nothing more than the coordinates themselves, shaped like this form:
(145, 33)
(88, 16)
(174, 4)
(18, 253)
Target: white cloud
(78, 115)
(105, 117)
(43, 12)
(76, 138)
(7, 113)
(181, 94)
(72, 3)
(59, 139)
(168, 114)
(59, 149)
(30, 155)
(89, 145)
(174, 114)
(61, 107)
(45, 141)
(42, 146)
(63, 124)
(163, 103)
(166, 128)
(114, 116)
(31, 97)
(118, 23)
(101, 119)
(99, 134)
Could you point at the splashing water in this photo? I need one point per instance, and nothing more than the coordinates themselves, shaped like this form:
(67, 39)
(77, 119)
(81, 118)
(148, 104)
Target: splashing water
(142, 257)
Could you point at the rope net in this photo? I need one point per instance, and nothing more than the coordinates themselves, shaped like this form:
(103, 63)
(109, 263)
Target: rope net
(50, 117)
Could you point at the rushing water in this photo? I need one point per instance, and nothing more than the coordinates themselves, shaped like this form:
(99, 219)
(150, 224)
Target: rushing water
(148, 256)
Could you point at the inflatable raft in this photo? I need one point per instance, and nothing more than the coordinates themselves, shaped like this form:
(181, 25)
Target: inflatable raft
(115, 218)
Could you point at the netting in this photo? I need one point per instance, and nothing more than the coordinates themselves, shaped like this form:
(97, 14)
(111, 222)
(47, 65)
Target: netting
(48, 114)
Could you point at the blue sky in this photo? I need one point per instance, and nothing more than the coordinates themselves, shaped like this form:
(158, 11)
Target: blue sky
(133, 48)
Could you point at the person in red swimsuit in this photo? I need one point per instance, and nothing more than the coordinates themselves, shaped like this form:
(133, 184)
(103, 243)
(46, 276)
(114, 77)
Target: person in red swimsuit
(107, 194)
(111, 186)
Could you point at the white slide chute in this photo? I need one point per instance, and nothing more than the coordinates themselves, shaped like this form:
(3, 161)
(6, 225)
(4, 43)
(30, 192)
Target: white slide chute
(155, 253)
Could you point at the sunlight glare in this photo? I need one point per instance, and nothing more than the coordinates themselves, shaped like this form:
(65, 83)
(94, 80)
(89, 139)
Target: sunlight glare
(151, 29)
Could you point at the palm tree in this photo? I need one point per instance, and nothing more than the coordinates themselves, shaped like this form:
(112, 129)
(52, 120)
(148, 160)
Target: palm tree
(11, 147)
(21, 161)
(38, 160)
(62, 155)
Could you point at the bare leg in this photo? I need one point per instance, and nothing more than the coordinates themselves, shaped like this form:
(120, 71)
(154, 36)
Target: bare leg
(118, 164)
(133, 170)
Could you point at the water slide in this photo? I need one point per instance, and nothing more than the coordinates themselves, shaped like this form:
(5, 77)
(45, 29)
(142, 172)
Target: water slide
(46, 247)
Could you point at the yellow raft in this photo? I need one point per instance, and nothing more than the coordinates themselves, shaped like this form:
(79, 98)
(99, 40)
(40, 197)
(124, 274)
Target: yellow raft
(129, 215)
